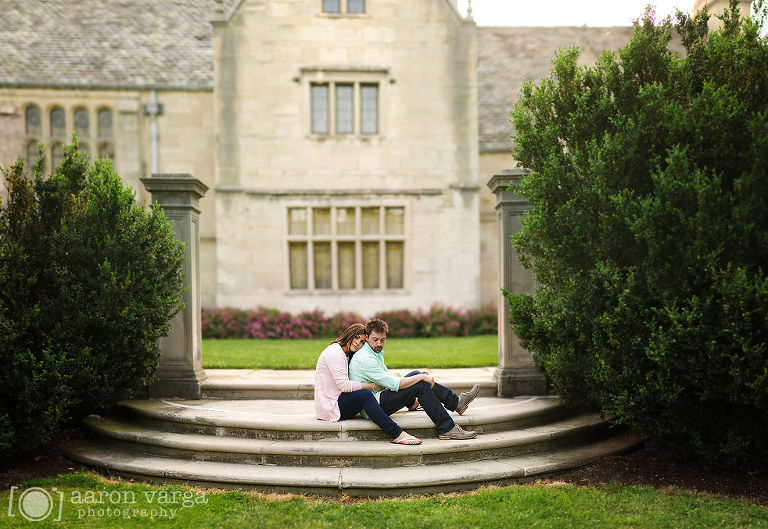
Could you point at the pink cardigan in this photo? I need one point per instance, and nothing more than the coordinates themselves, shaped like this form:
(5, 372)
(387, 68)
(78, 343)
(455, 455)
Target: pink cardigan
(331, 380)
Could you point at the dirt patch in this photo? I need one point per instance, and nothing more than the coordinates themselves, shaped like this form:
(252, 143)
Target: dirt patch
(46, 462)
(651, 467)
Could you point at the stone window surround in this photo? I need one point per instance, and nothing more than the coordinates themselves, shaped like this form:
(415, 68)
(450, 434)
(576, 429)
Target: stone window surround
(358, 239)
(54, 143)
(354, 75)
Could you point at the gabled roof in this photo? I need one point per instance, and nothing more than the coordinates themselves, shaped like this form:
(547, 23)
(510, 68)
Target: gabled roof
(507, 57)
(167, 44)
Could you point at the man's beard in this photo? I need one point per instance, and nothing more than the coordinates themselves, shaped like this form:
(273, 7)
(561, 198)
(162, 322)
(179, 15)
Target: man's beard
(378, 348)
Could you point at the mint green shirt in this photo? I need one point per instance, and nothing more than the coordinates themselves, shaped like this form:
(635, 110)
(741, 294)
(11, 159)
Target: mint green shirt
(368, 366)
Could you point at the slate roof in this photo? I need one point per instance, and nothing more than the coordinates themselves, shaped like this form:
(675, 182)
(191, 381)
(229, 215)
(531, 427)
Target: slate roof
(510, 56)
(166, 44)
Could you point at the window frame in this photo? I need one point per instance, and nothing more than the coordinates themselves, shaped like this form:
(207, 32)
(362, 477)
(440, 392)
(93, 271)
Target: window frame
(335, 239)
(91, 142)
(358, 79)
(343, 8)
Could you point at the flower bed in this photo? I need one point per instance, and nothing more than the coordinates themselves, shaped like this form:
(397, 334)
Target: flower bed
(271, 323)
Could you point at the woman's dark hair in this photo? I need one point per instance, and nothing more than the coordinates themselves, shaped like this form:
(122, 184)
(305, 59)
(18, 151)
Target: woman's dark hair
(352, 332)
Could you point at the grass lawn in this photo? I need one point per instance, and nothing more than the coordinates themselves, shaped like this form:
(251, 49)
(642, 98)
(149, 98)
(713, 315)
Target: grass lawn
(123, 504)
(467, 351)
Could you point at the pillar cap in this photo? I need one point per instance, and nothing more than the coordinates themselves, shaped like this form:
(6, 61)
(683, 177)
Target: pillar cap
(174, 183)
(506, 177)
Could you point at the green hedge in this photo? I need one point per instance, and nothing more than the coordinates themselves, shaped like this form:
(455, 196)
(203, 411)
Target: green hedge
(649, 234)
(88, 283)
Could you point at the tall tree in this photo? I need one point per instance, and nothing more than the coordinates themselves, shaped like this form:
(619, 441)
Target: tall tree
(649, 233)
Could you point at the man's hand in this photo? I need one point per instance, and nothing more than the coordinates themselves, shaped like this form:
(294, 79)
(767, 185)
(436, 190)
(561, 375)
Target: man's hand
(429, 379)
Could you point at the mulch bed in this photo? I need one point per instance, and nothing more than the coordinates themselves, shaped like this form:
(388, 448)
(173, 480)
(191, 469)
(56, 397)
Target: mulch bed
(646, 466)
(651, 467)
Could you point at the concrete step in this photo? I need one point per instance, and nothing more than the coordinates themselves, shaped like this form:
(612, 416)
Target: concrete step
(249, 384)
(391, 481)
(291, 420)
(351, 452)
(279, 445)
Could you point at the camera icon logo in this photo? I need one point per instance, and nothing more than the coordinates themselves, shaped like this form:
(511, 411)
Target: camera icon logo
(35, 504)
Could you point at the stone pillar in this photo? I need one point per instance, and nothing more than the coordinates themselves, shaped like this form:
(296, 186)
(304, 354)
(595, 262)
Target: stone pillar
(516, 373)
(181, 372)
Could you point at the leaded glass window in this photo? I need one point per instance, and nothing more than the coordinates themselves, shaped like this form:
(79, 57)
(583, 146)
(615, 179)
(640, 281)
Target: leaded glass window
(33, 122)
(356, 6)
(82, 123)
(58, 123)
(346, 247)
(106, 125)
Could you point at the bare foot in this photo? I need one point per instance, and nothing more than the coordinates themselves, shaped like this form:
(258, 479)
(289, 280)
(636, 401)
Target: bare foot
(406, 439)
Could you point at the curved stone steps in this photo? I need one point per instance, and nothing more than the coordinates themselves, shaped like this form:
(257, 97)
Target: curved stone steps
(295, 420)
(350, 453)
(279, 445)
(391, 481)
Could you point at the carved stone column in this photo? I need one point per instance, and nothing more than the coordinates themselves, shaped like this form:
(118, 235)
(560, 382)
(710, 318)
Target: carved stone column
(516, 373)
(181, 372)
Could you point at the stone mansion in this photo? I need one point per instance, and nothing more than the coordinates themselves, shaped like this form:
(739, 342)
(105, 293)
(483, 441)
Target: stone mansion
(346, 144)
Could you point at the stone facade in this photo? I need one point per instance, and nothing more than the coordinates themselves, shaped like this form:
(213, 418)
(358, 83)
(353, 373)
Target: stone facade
(421, 159)
(239, 82)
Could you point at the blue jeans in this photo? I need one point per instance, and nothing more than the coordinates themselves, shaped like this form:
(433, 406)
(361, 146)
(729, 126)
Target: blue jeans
(434, 401)
(350, 405)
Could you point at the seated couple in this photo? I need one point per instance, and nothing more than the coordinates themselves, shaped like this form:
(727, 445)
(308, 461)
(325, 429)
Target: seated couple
(351, 378)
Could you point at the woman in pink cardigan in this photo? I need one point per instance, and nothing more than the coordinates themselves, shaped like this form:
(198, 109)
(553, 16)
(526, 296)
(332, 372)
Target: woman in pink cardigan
(337, 397)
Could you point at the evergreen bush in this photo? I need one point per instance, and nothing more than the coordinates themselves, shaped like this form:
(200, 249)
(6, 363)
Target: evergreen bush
(649, 234)
(88, 283)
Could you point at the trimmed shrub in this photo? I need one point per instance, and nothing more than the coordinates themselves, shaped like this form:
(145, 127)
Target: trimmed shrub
(403, 323)
(224, 323)
(484, 320)
(444, 321)
(88, 283)
(271, 323)
(648, 236)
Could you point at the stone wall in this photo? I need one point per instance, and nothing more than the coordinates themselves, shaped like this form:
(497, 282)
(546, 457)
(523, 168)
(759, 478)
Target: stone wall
(424, 156)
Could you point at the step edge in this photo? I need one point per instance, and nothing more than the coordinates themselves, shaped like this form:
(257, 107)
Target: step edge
(336, 447)
(498, 469)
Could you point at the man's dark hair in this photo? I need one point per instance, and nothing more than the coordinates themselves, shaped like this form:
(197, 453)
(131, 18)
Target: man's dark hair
(377, 325)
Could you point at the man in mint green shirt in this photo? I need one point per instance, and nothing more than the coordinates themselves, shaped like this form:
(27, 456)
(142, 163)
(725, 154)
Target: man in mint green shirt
(367, 365)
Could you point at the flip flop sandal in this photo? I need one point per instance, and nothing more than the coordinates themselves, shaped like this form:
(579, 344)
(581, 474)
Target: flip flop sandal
(407, 441)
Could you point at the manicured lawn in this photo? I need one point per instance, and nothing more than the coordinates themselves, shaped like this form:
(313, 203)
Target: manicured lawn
(468, 351)
(122, 504)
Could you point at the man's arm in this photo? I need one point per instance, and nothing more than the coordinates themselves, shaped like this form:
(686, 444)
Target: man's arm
(407, 382)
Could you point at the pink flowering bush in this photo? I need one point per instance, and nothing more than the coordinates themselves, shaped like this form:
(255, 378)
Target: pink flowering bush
(483, 320)
(270, 323)
(224, 323)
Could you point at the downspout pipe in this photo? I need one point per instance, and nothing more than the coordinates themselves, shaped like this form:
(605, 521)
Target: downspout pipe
(154, 109)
